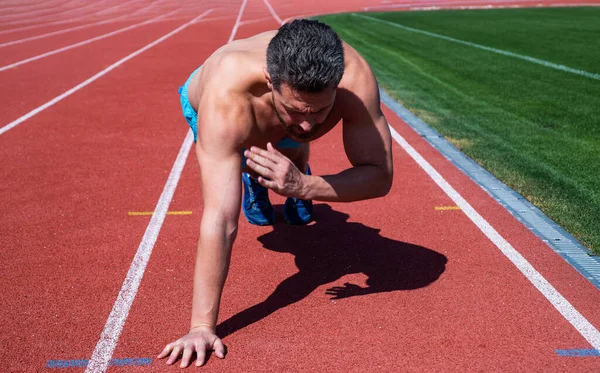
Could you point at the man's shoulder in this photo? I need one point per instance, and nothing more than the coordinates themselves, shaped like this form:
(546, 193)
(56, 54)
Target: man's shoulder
(358, 89)
(241, 60)
(224, 105)
(357, 71)
(224, 68)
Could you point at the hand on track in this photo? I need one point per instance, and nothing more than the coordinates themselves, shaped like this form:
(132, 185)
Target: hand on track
(200, 340)
(277, 172)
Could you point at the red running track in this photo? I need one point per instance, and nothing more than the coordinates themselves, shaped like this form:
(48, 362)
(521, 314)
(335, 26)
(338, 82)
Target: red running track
(384, 285)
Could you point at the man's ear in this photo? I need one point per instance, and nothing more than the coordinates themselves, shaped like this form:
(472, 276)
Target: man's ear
(268, 78)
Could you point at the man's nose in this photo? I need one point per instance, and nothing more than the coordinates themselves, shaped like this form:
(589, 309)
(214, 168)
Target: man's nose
(307, 124)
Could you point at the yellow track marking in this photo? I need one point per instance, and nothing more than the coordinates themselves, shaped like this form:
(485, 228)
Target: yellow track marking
(139, 213)
(445, 208)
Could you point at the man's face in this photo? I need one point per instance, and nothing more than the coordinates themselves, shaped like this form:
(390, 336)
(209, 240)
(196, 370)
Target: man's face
(301, 113)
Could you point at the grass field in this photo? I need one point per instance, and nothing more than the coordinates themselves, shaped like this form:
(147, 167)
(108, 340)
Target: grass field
(535, 126)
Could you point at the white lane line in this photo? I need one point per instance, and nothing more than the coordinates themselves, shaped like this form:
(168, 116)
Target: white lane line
(489, 49)
(145, 9)
(444, 3)
(42, 36)
(114, 325)
(37, 7)
(257, 20)
(16, 6)
(93, 78)
(37, 37)
(214, 19)
(467, 7)
(117, 7)
(39, 25)
(72, 46)
(272, 11)
(237, 22)
(35, 12)
(579, 322)
(52, 23)
(573, 4)
(53, 15)
(308, 15)
(479, 4)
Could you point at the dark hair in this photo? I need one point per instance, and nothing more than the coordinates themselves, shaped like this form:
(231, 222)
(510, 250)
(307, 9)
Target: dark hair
(308, 55)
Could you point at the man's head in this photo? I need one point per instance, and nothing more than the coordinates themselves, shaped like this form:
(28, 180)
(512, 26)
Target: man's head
(305, 63)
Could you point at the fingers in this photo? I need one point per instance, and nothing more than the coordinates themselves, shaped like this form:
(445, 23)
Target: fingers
(260, 169)
(200, 341)
(262, 157)
(187, 355)
(188, 352)
(267, 183)
(200, 356)
(165, 351)
(174, 355)
(219, 348)
(271, 154)
(272, 149)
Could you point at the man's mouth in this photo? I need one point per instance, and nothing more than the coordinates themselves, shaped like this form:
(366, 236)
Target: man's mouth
(296, 133)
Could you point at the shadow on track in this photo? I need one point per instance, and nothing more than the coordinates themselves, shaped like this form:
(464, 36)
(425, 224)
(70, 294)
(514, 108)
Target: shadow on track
(332, 248)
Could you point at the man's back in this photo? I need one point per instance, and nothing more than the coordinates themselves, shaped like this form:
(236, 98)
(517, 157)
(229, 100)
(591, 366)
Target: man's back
(234, 74)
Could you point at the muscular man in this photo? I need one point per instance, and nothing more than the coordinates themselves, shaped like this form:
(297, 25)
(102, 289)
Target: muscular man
(285, 87)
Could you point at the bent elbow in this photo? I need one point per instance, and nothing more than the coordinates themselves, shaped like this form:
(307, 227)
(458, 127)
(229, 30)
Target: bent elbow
(386, 190)
(386, 183)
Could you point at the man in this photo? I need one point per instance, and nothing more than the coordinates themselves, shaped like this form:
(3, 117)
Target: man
(287, 88)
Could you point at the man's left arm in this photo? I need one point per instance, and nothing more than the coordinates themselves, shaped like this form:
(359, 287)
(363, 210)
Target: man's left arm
(368, 146)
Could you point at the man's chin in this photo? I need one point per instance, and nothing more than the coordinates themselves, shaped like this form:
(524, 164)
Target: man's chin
(305, 137)
(299, 136)
(302, 136)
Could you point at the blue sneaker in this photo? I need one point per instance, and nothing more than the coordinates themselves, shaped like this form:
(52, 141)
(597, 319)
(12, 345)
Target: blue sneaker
(256, 205)
(298, 211)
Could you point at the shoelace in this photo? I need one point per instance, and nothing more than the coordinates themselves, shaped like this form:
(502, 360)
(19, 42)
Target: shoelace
(258, 195)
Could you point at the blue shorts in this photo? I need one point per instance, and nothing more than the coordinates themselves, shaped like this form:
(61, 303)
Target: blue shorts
(192, 118)
(188, 111)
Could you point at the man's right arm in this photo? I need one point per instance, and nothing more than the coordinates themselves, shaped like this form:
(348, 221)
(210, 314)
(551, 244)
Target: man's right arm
(220, 171)
(219, 158)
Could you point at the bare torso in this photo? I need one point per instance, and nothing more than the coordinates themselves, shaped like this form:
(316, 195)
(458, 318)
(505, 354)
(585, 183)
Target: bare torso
(235, 73)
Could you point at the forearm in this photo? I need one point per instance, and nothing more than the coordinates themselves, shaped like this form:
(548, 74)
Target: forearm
(354, 184)
(212, 264)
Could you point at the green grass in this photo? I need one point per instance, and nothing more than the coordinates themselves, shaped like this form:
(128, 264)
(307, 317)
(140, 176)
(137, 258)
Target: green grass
(536, 128)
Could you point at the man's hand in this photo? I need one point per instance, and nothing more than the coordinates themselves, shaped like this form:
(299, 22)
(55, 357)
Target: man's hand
(346, 291)
(201, 340)
(276, 171)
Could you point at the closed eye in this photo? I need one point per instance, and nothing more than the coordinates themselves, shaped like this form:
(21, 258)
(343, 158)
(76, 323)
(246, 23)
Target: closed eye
(291, 111)
(296, 112)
